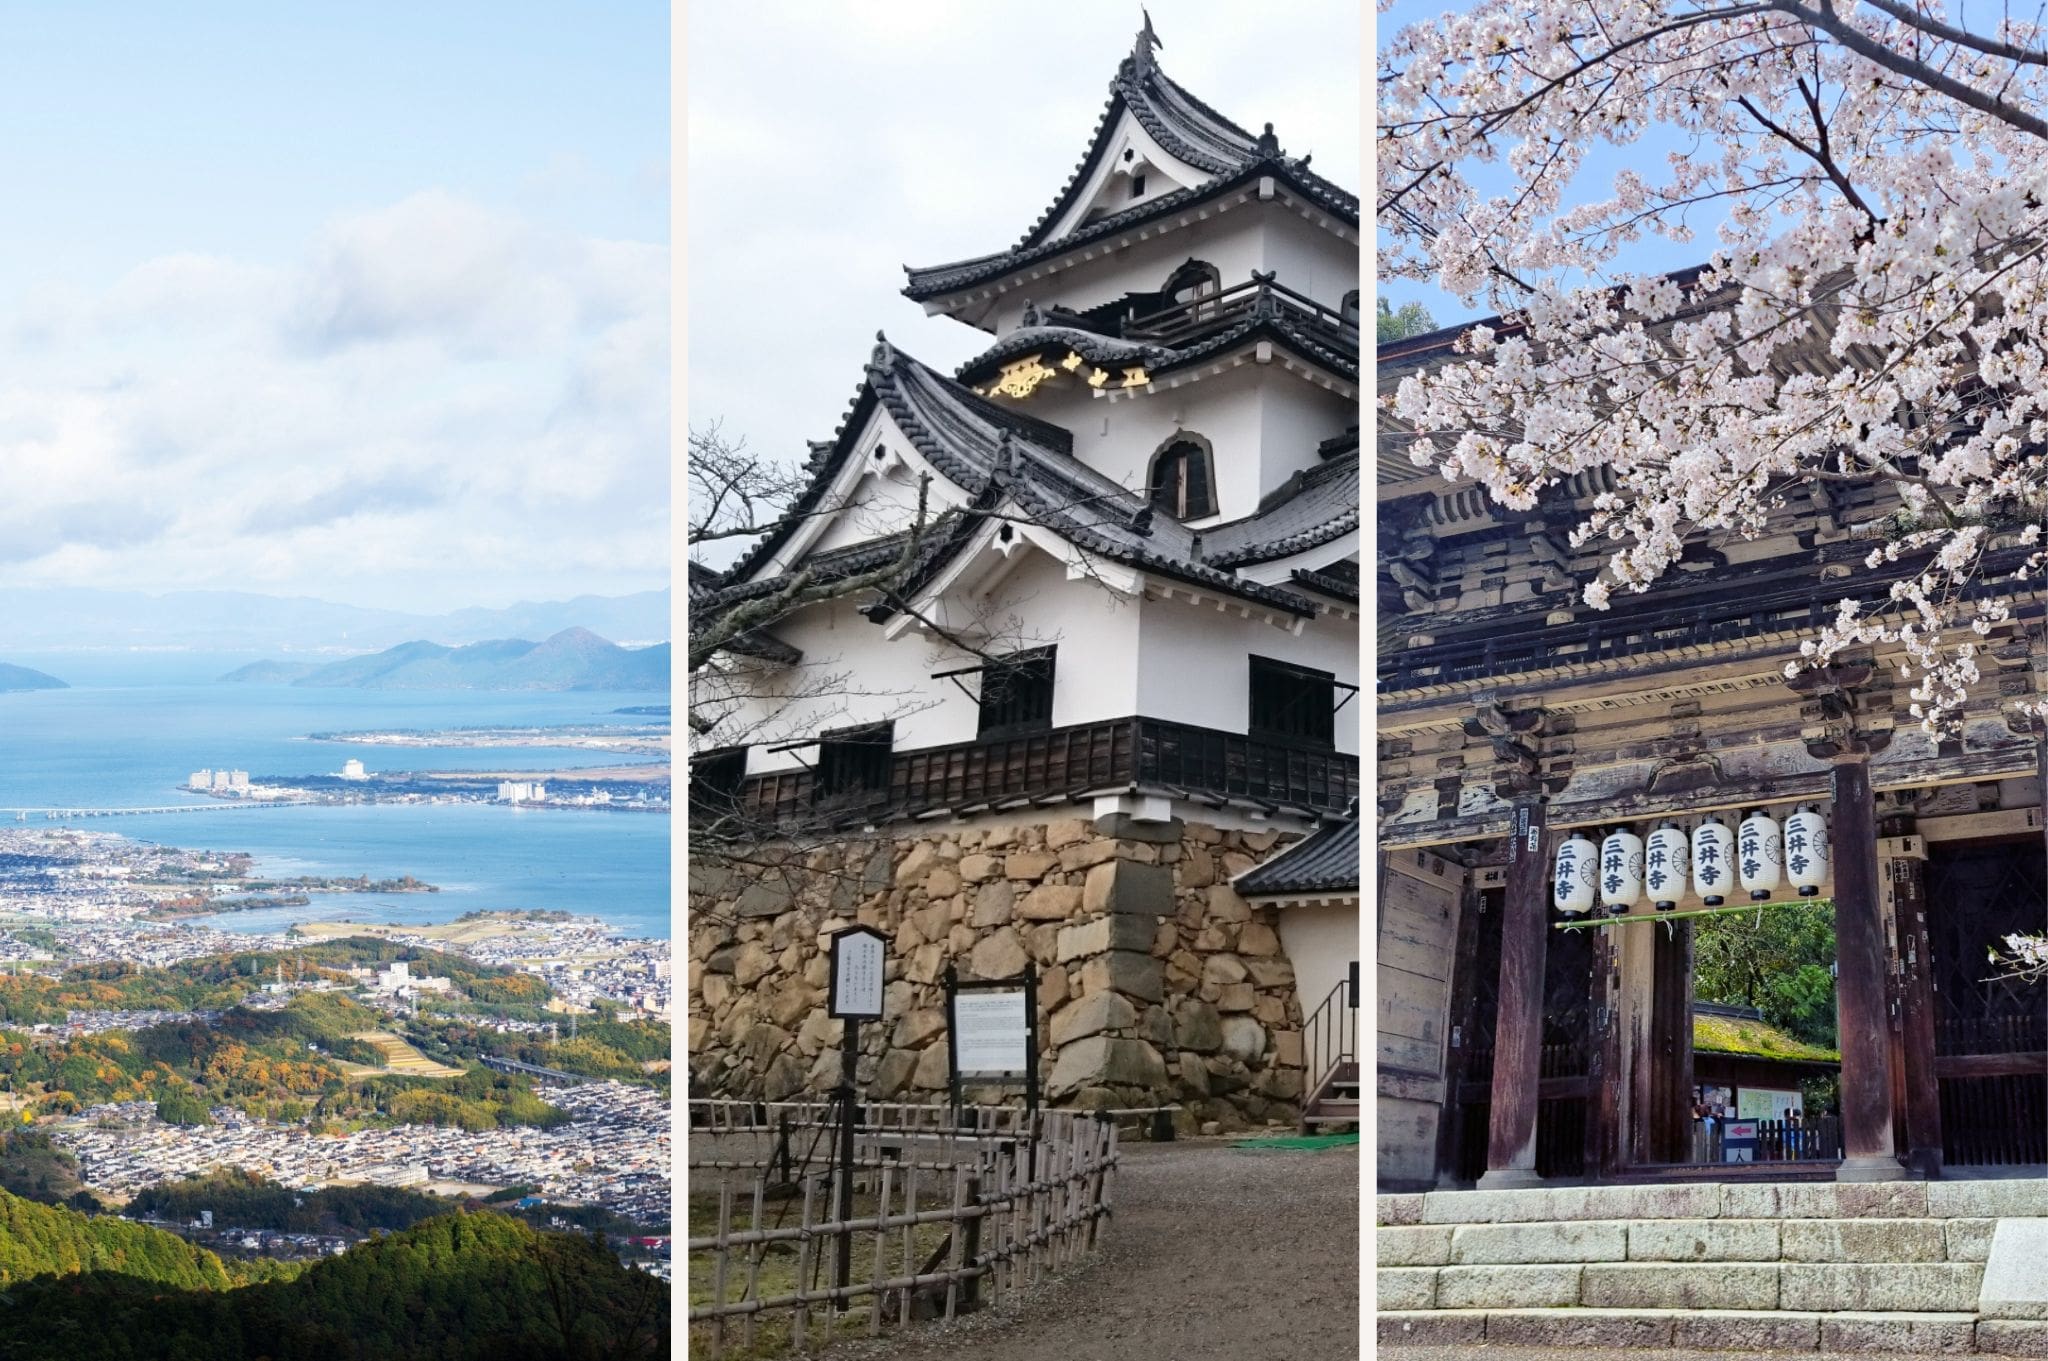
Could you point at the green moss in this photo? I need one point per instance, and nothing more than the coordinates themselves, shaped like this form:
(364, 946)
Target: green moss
(1753, 1039)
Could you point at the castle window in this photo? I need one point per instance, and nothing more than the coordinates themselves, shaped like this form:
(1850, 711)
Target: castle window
(715, 780)
(1351, 308)
(1182, 482)
(1137, 186)
(1016, 694)
(1294, 703)
(855, 761)
(1194, 286)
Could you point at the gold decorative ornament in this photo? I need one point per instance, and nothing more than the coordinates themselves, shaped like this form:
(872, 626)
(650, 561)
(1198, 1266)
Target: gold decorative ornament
(1022, 378)
(1071, 362)
(1135, 378)
(1097, 378)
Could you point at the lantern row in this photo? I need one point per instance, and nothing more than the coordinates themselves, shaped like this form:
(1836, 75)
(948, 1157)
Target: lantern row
(1759, 855)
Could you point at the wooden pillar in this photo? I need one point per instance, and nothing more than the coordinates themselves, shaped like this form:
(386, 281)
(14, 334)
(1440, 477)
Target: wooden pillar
(1603, 1073)
(1918, 1091)
(1862, 1021)
(1450, 1128)
(1670, 1049)
(1518, 1028)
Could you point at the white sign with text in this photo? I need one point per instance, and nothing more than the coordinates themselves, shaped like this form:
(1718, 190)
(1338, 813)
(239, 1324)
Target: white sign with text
(991, 1033)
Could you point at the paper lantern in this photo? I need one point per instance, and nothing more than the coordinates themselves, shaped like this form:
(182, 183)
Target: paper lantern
(1713, 861)
(1621, 870)
(1667, 866)
(1806, 850)
(1577, 860)
(1760, 855)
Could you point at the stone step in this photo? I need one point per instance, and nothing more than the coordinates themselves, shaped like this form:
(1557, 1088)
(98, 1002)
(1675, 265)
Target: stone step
(1687, 1240)
(1989, 1199)
(1892, 1287)
(1827, 1332)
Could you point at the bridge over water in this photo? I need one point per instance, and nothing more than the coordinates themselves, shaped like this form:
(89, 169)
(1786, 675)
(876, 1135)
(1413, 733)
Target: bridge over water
(68, 814)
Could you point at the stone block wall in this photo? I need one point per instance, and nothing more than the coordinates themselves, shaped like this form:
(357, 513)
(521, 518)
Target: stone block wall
(1157, 982)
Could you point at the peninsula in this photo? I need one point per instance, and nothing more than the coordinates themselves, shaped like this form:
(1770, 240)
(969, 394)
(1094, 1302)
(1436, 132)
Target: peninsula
(573, 659)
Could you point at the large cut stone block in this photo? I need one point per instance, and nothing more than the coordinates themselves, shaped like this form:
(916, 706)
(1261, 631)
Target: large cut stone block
(1826, 1200)
(2012, 1337)
(1659, 1285)
(1580, 1241)
(1909, 1332)
(1701, 1200)
(2016, 1273)
(1103, 1061)
(1127, 887)
(1416, 1245)
(2024, 1198)
(1765, 1330)
(1606, 1328)
(1428, 1328)
(1863, 1240)
(1969, 1240)
(1396, 1209)
(1507, 1287)
(1405, 1287)
(1487, 1207)
(1911, 1287)
(1703, 1240)
(1124, 971)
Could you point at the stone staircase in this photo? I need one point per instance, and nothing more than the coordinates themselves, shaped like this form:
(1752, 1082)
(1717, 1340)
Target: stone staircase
(1799, 1267)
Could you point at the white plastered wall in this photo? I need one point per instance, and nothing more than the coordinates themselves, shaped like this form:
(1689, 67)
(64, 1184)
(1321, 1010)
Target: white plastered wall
(1194, 664)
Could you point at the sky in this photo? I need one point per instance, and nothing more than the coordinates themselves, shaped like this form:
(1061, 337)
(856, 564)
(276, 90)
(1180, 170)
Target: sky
(368, 302)
(830, 145)
(1646, 155)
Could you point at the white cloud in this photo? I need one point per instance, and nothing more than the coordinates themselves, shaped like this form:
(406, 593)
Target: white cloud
(438, 404)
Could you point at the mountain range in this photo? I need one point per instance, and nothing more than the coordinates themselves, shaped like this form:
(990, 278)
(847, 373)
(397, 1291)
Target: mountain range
(21, 678)
(60, 618)
(572, 659)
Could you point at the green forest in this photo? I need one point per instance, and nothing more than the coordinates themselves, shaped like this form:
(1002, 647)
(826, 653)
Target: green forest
(455, 1287)
(1777, 960)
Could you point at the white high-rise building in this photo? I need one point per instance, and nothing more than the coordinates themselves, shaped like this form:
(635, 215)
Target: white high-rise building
(201, 779)
(352, 769)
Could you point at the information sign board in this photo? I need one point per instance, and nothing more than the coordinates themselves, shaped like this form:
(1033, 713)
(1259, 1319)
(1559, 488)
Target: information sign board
(857, 968)
(991, 1032)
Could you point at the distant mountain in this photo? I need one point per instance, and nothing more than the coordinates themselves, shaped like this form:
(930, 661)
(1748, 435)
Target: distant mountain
(21, 678)
(271, 673)
(51, 619)
(573, 659)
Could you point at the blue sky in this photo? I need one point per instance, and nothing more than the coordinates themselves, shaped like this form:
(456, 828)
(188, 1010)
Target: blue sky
(1647, 155)
(368, 301)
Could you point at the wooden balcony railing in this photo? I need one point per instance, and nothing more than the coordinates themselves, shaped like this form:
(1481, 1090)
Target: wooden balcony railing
(1065, 762)
(1184, 323)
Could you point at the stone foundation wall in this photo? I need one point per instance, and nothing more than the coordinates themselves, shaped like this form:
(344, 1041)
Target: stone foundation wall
(1157, 982)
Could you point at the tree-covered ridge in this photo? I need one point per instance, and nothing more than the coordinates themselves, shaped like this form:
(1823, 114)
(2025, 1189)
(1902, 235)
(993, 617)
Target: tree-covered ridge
(48, 1240)
(456, 1287)
(602, 1047)
(241, 1199)
(220, 981)
(283, 1064)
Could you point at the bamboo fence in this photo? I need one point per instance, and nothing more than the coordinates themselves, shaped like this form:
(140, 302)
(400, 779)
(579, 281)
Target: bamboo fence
(946, 1216)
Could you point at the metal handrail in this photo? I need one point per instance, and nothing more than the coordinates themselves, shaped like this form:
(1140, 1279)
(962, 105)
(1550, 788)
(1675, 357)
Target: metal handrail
(1330, 1035)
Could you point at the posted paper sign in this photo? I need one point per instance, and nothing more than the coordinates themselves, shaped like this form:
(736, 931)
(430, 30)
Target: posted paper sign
(990, 1032)
(857, 973)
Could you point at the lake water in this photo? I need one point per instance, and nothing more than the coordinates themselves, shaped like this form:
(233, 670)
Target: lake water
(133, 728)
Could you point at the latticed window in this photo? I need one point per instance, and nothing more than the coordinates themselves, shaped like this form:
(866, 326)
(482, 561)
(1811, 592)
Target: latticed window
(1182, 482)
(1016, 693)
(855, 760)
(715, 779)
(1293, 702)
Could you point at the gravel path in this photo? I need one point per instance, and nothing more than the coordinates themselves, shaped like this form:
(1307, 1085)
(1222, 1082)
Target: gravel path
(1214, 1254)
(1485, 1353)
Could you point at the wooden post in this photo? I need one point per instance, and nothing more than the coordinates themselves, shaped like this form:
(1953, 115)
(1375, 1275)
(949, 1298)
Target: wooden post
(1670, 1049)
(1604, 1072)
(1518, 1028)
(1868, 1153)
(1458, 1043)
(1919, 1091)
